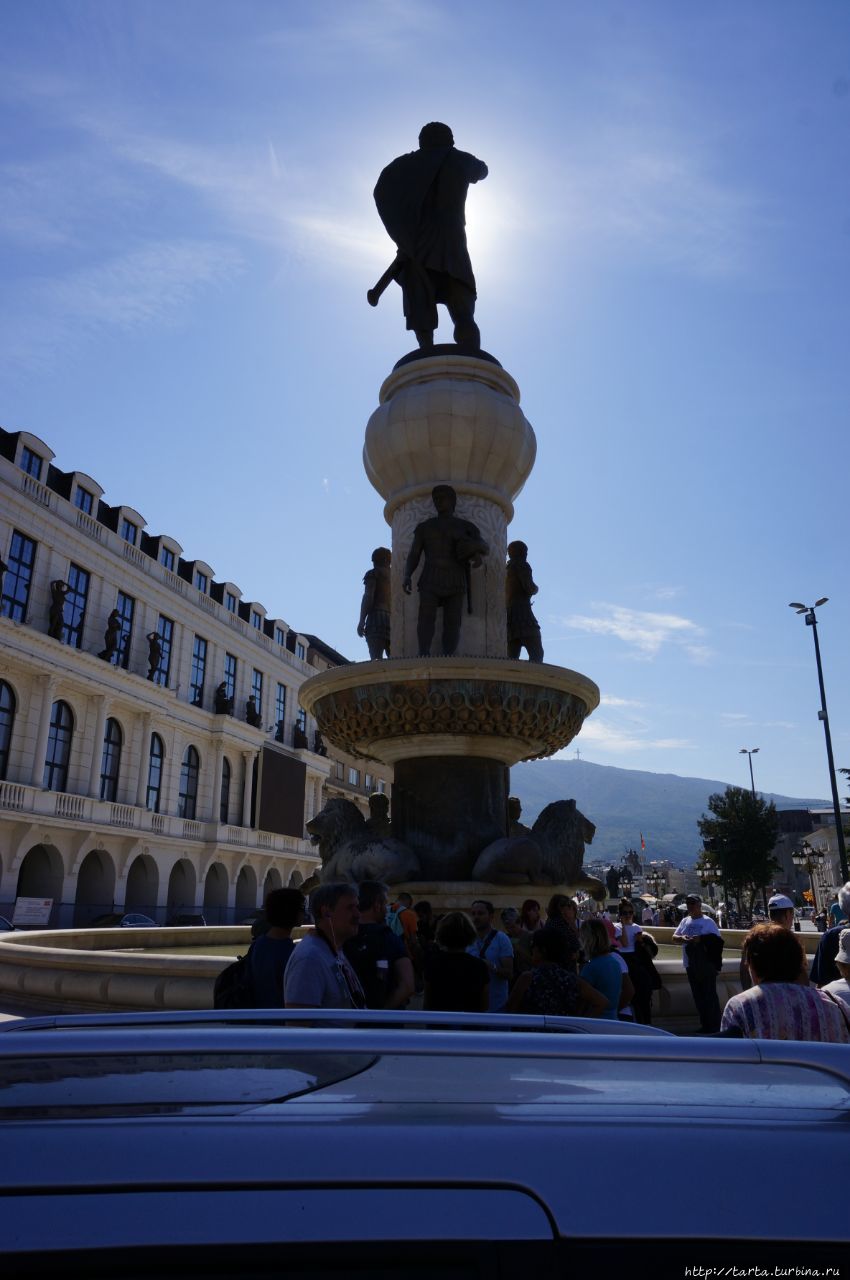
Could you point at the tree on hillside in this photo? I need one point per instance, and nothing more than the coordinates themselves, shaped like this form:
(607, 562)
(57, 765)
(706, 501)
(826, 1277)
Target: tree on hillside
(740, 838)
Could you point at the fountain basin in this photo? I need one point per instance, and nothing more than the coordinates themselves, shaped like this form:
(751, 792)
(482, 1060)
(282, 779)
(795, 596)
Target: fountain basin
(494, 708)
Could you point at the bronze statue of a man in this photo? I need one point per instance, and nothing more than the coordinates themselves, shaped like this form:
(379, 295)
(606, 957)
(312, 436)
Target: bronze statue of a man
(523, 627)
(421, 199)
(451, 547)
(154, 653)
(375, 607)
(56, 616)
(111, 637)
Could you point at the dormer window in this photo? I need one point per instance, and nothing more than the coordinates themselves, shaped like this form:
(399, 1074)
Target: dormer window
(280, 635)
(230, 601)
(84, 499)
(256, 620)
(166, 558)
(31, 462)
(201, 581)
(300, 651)
(129, 532)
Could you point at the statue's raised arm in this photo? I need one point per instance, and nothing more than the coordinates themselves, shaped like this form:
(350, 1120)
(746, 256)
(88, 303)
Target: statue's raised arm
(421, 199)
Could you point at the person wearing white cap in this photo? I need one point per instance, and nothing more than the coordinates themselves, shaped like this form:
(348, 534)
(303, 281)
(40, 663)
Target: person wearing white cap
(841, 987)
(823, 965)
(781, 910)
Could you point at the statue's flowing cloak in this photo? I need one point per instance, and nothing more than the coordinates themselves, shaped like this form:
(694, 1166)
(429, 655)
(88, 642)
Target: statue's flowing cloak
(420, 199)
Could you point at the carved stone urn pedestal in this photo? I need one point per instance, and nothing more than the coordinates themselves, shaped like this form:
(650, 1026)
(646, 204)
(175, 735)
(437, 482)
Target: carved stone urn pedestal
(450, 726)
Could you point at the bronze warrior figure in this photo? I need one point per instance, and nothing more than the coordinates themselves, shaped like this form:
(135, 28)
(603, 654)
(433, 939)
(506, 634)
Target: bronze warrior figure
(451, 546)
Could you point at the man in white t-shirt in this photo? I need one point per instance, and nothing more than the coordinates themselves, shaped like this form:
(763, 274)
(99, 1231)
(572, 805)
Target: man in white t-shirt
(495, 949)
(702, 976)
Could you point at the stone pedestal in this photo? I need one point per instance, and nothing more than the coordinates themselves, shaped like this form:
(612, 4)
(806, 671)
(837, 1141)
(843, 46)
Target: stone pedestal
(451, 726)
(456, 420)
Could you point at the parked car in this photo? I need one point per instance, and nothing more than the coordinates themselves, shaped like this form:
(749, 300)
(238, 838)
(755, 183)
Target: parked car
(422, 1145)
(187, 920)
(113, 920)
(6, 926)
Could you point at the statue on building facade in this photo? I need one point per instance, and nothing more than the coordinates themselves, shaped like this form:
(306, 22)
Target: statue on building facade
(56, 616)
(421, 200)
(523, 627)
(319, 747)
(299, 739)
(111, 636)
(222, 702)
(375, 607)
(252, 714)
(154, 653)
(451, 547)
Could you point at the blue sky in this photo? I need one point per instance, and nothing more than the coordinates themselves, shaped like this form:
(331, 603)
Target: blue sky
(187, 233)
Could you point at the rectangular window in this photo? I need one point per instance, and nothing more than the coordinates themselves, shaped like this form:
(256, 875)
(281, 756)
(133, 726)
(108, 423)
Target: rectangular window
(199, 666)
(18, 578)
(280, 636)
(256, 620)
(129, 532)
(165, 631)
(84, 500)
(257, 689)
(300, 651)
(230, 601)
(230, 675)
(280, 711)
(354, 777)
(166, 557)
(301, 720)
(75, 606)
(201, 581)
(31, 463)
(126, 607)
(339, 770)
(382, 786)
(369, 782)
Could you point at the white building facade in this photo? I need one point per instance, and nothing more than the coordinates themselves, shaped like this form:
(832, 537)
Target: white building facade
(135, 774)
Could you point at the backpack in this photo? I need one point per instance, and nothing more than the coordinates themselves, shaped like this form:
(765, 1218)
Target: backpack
(363, 953)
(393, 920)
(234, 986)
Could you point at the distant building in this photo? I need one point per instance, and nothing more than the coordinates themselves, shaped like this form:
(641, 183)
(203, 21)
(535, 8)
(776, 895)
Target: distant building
(165, 767)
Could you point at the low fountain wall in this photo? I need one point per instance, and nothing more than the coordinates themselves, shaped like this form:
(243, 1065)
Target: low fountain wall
(101, 970)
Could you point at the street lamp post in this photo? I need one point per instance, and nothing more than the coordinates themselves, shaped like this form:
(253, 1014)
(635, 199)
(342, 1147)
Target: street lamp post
(746, 751)
(811, 621)
(811, 859)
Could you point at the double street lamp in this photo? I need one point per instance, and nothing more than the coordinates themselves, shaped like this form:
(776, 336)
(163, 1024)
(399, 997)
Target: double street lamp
(811, 621)
(812, 860)
(746, 751)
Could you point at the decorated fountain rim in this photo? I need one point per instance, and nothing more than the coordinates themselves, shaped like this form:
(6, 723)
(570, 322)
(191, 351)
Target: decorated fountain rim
(536, 675)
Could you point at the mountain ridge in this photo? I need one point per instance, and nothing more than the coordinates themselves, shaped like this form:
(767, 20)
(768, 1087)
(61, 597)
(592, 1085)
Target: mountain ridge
(627, 803)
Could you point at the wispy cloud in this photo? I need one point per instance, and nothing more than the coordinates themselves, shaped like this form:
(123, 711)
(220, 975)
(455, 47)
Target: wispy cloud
(653, 193)
(371, 29)
(644, 632)
(619, 739)
(611, 700)
(149, 285)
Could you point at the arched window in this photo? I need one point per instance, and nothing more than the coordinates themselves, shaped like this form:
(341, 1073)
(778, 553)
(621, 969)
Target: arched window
(58, 748)
(187, 801)
(155, 773)
(110, 764)
(8, 706)
(225, 790)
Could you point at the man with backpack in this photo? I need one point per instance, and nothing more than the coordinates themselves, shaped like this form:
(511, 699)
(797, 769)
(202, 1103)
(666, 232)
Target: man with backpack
(270, 952)
(377, 955)
(255, 980)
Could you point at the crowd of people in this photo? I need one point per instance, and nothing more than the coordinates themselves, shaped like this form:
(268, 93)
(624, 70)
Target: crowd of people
(368, 952)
